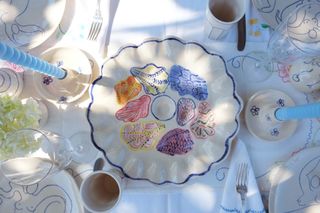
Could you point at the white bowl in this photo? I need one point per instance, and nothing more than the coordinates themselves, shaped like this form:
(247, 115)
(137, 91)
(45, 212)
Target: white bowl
(74, 85)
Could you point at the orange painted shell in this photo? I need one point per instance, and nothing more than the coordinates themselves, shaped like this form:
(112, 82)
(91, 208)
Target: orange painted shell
(127, 89)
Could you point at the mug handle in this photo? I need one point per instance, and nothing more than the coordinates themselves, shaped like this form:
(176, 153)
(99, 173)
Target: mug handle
(98, 164)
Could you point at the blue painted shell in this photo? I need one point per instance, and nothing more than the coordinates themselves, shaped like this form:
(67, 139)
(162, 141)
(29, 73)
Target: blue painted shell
(187, 83)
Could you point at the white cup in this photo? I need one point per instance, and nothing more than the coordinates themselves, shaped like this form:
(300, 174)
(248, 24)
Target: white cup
(221, 15)
(101, 190)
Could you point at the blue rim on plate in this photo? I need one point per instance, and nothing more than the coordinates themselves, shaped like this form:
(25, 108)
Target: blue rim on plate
(237, 100)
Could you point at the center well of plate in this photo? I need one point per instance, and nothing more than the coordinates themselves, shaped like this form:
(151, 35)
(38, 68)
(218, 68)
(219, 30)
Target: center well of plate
(163, 108)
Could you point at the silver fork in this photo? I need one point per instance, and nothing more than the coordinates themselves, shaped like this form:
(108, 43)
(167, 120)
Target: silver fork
(96, 23)
(241, 184)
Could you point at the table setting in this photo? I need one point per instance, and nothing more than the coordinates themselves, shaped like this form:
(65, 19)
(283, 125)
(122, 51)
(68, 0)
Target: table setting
(159, 106)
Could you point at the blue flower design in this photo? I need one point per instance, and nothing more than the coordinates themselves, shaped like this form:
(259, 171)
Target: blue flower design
(47, 80)
(254, 110)
(275, 132)
(280, 102)
(62, 99)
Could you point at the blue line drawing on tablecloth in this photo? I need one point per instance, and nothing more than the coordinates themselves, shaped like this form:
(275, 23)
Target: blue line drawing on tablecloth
(221, 173)
(239, 211)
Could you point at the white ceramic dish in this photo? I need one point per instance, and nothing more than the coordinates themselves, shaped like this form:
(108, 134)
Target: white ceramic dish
(11, 82)
(182, 115)
(259, 116)
(275, 11)
(74, 85)
(296, 184)
(58, 193)
(28, 23)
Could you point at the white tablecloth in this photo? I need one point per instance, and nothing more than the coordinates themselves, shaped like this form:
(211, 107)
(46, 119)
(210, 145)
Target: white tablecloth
(136, 21)
(128, 21)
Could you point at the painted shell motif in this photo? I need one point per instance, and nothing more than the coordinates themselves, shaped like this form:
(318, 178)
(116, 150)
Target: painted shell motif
(175, 142)
(141, 135)
(203, 126)
(186, 83)
(134, 110)
(186, 111)
(127, 89)
(153, 78)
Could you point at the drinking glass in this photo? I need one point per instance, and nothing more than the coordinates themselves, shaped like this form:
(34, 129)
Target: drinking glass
(30, 155)
(296, 37)
(83, 149)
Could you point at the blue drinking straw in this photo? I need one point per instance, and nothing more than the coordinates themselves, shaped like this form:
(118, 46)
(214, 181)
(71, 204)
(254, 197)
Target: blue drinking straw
(298, 112)
(18, 57)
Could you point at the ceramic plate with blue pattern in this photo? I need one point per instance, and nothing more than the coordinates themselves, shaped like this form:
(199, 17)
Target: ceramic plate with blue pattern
(28, 23)
(275, 11)
(57, 194)
(164, 110)
(296, 183)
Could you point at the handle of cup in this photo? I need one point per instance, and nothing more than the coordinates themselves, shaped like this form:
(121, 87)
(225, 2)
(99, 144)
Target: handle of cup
(98, 164)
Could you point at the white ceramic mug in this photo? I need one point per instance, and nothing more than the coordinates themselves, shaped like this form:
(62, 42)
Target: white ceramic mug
(101, 190)
(221, 15)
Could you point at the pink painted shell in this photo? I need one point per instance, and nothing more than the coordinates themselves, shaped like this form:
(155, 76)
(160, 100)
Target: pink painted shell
(134, 110)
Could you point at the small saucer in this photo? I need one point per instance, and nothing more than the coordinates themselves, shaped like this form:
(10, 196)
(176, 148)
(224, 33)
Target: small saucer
(74, 85)
(11, 82)
(260, 118)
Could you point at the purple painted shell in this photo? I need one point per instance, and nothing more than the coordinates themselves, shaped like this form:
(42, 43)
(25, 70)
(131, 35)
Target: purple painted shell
(176, 141)
(187, 83)
(186, 111)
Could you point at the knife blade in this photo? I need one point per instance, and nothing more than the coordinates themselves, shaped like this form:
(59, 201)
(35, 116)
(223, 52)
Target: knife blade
(241, 33)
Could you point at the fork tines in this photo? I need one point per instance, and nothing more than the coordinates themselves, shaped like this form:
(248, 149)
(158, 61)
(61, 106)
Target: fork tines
(242, 175)
(242, 182)
(95, 26)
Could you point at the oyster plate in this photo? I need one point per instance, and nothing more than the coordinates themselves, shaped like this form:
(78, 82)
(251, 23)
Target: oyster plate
(164, 110)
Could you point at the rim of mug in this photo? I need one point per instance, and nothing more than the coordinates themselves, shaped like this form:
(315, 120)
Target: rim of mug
(114, 176)
(212, 17)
